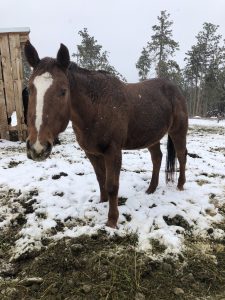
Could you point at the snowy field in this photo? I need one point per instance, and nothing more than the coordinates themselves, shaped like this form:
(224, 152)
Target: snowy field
(60, 197)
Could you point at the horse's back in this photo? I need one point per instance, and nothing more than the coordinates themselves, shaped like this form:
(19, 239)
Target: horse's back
(155, 104)
(156, 95)
(160, 88)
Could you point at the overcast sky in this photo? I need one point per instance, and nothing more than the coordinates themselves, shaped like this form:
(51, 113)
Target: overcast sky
(122, 27)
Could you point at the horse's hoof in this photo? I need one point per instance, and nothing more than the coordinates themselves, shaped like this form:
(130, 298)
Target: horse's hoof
(150, 190)
(56, 141)
(103, 200)
(111, 224)
(180, 188)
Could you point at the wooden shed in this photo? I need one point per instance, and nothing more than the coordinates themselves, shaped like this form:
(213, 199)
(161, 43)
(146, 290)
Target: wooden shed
(12, 81)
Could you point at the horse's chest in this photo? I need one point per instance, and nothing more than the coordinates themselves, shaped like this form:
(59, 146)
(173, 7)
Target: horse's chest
(88, 140)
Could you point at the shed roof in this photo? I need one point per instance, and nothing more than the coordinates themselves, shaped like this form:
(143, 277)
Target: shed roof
(15, 30)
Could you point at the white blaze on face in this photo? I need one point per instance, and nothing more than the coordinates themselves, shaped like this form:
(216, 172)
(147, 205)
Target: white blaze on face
(42, 84)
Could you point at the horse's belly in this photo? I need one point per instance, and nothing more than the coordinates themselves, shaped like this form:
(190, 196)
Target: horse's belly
(144, 139)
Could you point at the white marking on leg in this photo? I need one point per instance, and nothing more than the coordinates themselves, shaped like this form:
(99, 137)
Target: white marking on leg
(42, 83)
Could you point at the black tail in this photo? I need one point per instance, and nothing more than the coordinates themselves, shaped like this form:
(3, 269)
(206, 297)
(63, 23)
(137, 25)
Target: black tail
(170, 160)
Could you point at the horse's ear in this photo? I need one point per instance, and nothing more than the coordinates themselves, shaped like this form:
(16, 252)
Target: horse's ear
(31, 54)
(63, 57)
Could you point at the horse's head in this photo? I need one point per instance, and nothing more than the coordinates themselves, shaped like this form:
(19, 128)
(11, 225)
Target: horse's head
(48, 109)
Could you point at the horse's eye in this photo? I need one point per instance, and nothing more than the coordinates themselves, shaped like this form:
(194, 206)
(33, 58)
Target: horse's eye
(62, 92)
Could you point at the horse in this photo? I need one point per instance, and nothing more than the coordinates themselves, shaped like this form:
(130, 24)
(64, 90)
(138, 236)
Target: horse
(25, 98)
(107, 116)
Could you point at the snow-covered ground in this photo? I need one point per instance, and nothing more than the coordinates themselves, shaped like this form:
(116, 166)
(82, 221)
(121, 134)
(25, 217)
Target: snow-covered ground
(72, 198)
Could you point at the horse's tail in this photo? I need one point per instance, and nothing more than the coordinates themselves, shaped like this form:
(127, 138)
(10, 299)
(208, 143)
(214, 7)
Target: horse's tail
(170, 160)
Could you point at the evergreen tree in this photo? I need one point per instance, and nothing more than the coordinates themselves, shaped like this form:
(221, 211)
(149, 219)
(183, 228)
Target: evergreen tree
(205, 62)
(159, 51)
(90, 55)
(143, 65)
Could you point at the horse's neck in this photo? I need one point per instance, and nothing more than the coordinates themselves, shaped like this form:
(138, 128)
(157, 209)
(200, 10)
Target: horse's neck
(82, 108)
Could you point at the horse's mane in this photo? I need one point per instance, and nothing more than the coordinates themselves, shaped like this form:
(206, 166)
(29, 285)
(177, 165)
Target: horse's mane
(98, 84)
(73, 67)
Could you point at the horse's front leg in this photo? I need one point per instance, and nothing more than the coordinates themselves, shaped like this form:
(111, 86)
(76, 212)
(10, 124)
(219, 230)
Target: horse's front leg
(113, 160)
(98, 164)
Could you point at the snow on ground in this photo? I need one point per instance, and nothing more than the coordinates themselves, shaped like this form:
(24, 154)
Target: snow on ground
(72, 197)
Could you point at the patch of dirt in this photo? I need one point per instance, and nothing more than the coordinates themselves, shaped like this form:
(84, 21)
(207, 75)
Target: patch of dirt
(13, 163)
(202, 130)
(218, 149)
(193, 155)
(202, 182)
(121, 201)
(61, 174)
(213, 175)
(8, 194)
(103, 267)
(177, 220)
(21, 148)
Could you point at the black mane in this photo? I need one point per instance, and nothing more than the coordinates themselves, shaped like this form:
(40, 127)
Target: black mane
(96, 83)
(73, 67)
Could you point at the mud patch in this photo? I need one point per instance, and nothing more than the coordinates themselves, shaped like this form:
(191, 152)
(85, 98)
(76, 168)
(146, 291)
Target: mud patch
(202, 181)
(103, 267)
(177, 220)
(202, 130)
(121, 201)
(57, 176)
(13, 164)
(218, 149)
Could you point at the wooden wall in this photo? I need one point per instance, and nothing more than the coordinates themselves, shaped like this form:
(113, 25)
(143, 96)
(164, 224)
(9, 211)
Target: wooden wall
(11, 82)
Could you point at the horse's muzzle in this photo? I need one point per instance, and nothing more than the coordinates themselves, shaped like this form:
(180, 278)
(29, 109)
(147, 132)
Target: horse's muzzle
(39, 154)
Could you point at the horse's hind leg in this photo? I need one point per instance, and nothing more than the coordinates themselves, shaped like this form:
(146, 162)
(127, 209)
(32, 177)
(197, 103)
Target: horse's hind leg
(156, 156)
(99, 166)
(179, 141)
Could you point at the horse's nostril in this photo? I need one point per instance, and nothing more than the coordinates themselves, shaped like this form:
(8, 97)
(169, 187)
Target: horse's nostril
(48, 147)
(28, 145)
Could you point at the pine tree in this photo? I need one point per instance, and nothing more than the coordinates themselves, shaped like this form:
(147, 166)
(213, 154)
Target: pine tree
(159, 51)
(143, 65)
(90, 55)
(203, 70)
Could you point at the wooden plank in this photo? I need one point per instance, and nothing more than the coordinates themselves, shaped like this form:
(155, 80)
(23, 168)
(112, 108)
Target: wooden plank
(17, 72)
(15, 128)
(16, 57)
(24, 38)
(1, 76)
(4, 134)
(7, 74)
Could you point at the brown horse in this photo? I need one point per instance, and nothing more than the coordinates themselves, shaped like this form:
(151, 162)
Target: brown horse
(107, 116)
